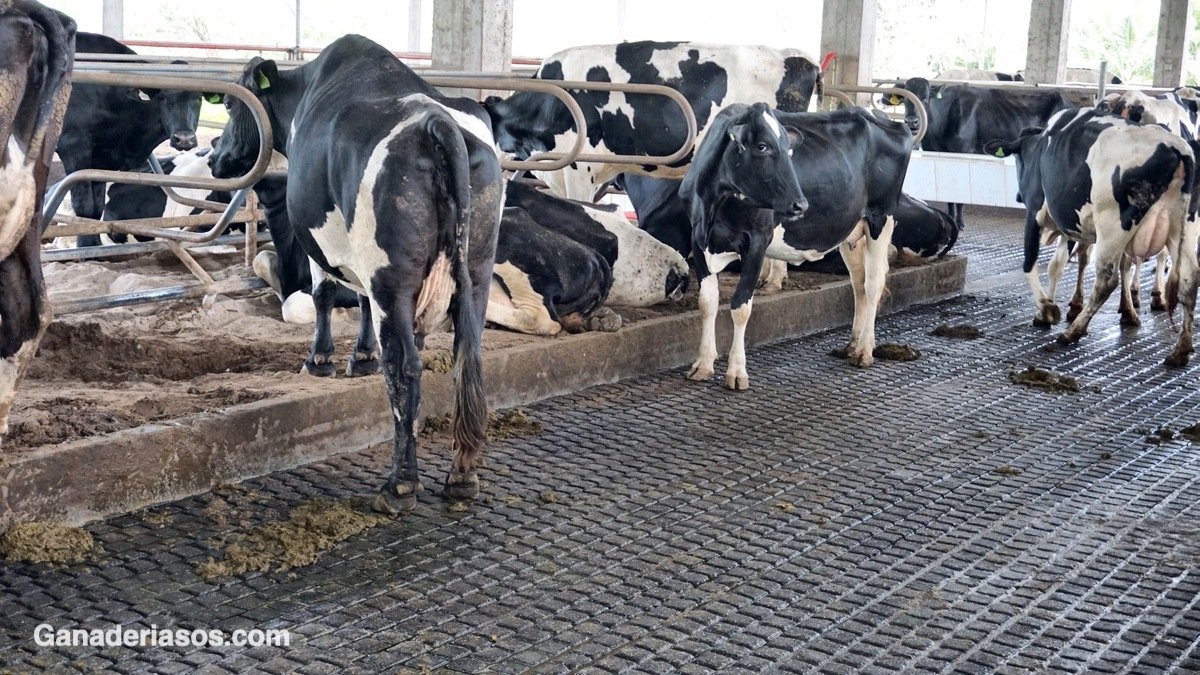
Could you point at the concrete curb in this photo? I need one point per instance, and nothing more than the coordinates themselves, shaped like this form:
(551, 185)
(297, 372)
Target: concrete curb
(95, 477)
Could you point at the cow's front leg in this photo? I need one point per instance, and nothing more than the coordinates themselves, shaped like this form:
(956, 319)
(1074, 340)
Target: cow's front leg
(853, 256)
(24, 316)
(1108, 260)
(320, 359)
(402, 372)
(1054, 273)
(736, 377)
(710, 298)
(1185, 271)
(1128, 309)
(1075, 306)
(365, 360)
(1158, 296)
(1048, 312)
(875, 259)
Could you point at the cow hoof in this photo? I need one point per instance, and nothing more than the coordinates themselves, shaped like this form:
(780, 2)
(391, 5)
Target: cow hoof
(1049, 316)
(1156, 302)
(322, 368)
(842, 352)
(862, 359)
(397, 499)
(770, 288)
(700, 372)
(461, 486)
(367, 364)
(737, 381)
(1073, 312)
(603, 321)
(1130, 319)
(1176, 359)
(1068, 338)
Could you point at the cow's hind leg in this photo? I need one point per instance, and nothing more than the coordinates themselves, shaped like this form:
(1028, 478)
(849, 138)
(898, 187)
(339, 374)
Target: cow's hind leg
(24, 316)
(1048, 313)
(1108, 256)
(1182, 287)
(875, 268)
(401, 365)
(365, 360)
(320, 359)
(854, 257)
(1128, 310)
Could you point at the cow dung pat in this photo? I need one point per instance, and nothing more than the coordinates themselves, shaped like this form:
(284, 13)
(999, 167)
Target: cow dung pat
(512, 423)
(438, 360)
(1160, 435)
(1191, 433)
(1044, 379)
(1007, 470)
(43, 542)
(436, 424)
(311, 529)
(890, 351)
(960, 332)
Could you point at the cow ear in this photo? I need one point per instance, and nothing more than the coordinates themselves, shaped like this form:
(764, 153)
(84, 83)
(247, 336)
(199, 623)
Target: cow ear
(700, 179)
(740, 135)
(265, 74)
(1001, 148)
(794, 135)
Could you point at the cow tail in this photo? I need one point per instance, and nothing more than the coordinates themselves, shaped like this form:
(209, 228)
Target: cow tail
(470, 405)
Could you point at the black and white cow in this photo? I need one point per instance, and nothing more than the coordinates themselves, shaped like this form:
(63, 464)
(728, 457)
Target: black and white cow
(962, 117)
(1122, 187)
(116, 128)
(37, 46)
(645, 271)
(394, 191)
(710, 76)
(920, 229)
(977, 75)
(545, 283)
(1089, 76)
(850, 165)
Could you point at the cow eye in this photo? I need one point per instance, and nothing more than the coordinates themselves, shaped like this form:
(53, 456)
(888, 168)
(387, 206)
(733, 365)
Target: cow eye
(763, 147)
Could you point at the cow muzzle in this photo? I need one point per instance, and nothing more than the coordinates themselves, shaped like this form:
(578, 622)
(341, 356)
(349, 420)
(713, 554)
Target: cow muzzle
(794, 211)
(913, 123)
(183, 140)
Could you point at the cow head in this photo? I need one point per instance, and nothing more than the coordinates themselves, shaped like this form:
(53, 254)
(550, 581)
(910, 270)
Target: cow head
(178, 112)
(746, 155)
(1022, 147)
(919, 87)
(525, 123)
(236, 153)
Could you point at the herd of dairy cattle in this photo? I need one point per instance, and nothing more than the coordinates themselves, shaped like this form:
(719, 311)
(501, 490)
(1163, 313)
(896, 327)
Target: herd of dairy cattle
(395, 201)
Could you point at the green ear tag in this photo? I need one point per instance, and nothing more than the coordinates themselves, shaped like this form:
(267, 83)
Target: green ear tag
(263, 82)
(939, 95)
(894, 100)
(214, 99)
(999, 152)
(732, 137)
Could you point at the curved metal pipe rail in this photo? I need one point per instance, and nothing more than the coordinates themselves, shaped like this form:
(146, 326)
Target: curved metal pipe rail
(238, 186)
(922, 114)
(840, 96)
(559, 89)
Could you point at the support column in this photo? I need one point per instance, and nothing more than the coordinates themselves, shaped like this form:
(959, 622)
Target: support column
(1174, 27)
(848, 29)
(1049, 25)
(113, 24)
(473, 36)
(414, 25)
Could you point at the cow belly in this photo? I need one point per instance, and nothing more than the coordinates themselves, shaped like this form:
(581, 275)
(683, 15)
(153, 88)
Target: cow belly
(1151, 235)
(520, 308)
(779, 249)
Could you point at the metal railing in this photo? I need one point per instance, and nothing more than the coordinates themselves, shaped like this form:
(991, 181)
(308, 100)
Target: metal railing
(922, 114)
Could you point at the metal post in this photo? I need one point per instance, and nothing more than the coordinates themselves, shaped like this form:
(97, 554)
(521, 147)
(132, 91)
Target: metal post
(296, 51)
(113, 23)
(414, 25)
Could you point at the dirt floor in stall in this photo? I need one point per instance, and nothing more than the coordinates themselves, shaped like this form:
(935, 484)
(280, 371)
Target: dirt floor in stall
(102, 372)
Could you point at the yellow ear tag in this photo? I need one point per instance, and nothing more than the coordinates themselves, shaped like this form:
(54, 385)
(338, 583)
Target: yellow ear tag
(263, 82)
(894, 100)
(999, 152)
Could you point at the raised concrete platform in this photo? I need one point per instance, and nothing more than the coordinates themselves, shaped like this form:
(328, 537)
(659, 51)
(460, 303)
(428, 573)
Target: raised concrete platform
(85, 480)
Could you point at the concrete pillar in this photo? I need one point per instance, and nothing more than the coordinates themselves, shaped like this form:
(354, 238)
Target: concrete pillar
(414, 25)
(1049, 24)
(848, 28)
(113, 24)
(473, 36)
(1174, 27)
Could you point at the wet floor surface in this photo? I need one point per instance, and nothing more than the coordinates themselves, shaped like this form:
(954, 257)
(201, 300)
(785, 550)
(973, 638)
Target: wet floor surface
(926, 515)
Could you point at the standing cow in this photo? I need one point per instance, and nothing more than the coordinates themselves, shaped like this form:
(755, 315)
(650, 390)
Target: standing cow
(116, 128)
(37, 46)
(710, 76)
(849, 166)
(962, 117)
(394, 191)
(1122, 187)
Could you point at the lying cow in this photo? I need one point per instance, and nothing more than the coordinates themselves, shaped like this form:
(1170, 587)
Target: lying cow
(645, 271)
(842, 170)
(711, 76)
(116, 128)
(962, 117)
(920, 229)
(394, 191)
(37, 46)
(1123, 187)
(545, 283)
(977, 75)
